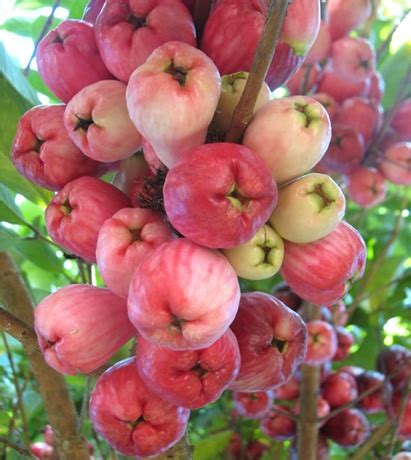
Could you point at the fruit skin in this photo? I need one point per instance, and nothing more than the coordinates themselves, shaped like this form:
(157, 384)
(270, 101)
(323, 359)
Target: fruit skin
(68, 59)
(130, 417)
(396, 164)
(233, 51)
(377, 87)
(92, 10)
(128, 31)
(177, 88)
(259, 258)
(404, 431)
(366, 187)
(346, 15)
(75, 215)
(278, 426)
(305, 79)
(376, 401)
(321, 46)
(339, 388)
(97, 121)
(253, 405)
(43, 152)
(189, 378)
(308, 208)
(349, 428)
(220, 196)
(42, 450)
(319, 272)
(290, 135)
(272, 340)
(401, 120)
(339, 315)
(322, 342)
(124, 241)
(79, 327)
(151, 156)
(345, 340)
(330, 105)
(395, 362)
(183, 296)
(289, 391)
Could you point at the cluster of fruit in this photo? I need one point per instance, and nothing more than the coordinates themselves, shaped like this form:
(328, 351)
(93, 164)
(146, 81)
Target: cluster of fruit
(340, 72)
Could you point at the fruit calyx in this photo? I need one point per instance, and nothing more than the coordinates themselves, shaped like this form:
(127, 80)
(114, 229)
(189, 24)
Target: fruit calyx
(66, 207)
(136, 422)
(38, 145)
(177, 72)
(135, 234)
(306, 110)
(323, 198)
(177, 323)
(83, 123)
(281, 345)
(136, 21)
(238, 200)
(200, 371)
(58, 39)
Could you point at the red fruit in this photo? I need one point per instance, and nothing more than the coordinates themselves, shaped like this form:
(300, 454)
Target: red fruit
(366, 187)
(190, 378)
(304, 80)
(355, 371)
(389, 139)
(322, 342)
(48, 435)
(272, 340)
(220, 196)
(130, 417)
(321, 46)
(253, 405)
(289, 391)
(349, 428)
(405, 423)
(127, 31)
(395, 363)
(75, 215)
(42, 450)
(79, 327)
(401, 120)
(319, 271)
(345, 341)
(377, 86)
(346, 15)
(376, 401)
(183, 296)
(339, 316)
(329, 104)
(339, 388)
(68, 59)
(287, 296)
(92, 10)
(278, 426)
(255, 450)
(396, 164)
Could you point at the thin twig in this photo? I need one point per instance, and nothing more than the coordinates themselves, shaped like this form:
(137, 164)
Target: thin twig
(375, 438)
(21, 450)
(18, 329)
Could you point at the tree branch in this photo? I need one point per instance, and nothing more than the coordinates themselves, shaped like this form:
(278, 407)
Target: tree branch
(376, 437)
(16, 447)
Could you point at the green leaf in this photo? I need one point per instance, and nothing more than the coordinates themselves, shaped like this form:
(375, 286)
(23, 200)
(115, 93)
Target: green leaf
(210, 447)
(9, 212)
(20, 25)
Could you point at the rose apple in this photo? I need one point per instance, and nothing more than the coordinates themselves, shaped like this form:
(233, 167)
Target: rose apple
(256, 449)
(377, 87)
(339, 315)
(289, 391)
(42, 451)
(308, 208)
(355, 371)
(253, 405)
(396, 164)
(389, 138)
(404, 430)
(124, 241)
(366, 187)
(68, 59)
(290, 135)
(278, 426)
(320, 272)
(92, 10)
(130, 417)
(376, 401)
(401, 120)
(346, 15)
(48, 435)
(349, 428)
(259, 258)
(339, 388)
(272, 340)
(189, 378)
(345, 340)
(287, 296)
(232, 50)
(183, 296)
(75, 215)
(321, 46)
(151, 156)
(322, 342)
(43, 152)
(220, 196)
(177, 89)
(329, 104)
(395, 363)
(132, 170)
(79, 327)
(305, 79)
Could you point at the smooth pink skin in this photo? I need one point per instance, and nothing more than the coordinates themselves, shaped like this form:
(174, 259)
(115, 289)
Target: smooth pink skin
(124, 241)
(261, 325)
(361, 115)
(42, 450)
(304, 79)
(291, 135)
(346, 15)
(338, 389)
(376, 401)
(253, 405)
(349, 428)
(78, 211)
(183, 296)
(111, 136)
(366, 187)
(396, 164)
(401, 120)
(345, 340)
(233, 51)
(79, 327)
(92, 10)
(322, 343)
(278, 426)
(68, 59)
(321, 272)
(48, 435)
(321, 46)
(119, 399)
(124, 47)
(151, 156)
(355, 371)
(289, 390)
(377, 87)
(329, 104)
(189, 378)
(43, 152)
(395, 359)
(339, 313)
(220, 196)
(389, 139)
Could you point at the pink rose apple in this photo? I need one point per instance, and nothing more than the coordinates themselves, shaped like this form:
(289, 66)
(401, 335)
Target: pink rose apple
(183, 296)
(339, 388)
(189, 378)
(272, 340)
(346, 15)
(128, 31)
(401, 120)
(68, 59)
(329, 104)
(355, 371)
(395, 363)
(289, 391)
(92, 10)
(305, 79)
(79, 327)
(278, 426)
(43, 152)
(377, 87)
(75, 215)
(220, 196)
(366, 187)
(130, 417)
(321, 46)
(396, 164)
(177, 89)
(345, 340)
(376, 401)
(404, 431)
(151, 156)
(320, 272)
(322, 343)
(42, 451)
(253, 405)
(349, 428)
(339, 315)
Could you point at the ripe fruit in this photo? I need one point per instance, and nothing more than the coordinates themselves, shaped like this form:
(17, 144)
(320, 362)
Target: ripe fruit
(321, 46)
(75, 215)
(395, 363)
(253, 405)
(130, 417)
(127, 32)
(92, 10)
(401, 120)
(366, 187)
(124, 241)
(329, 104)
(377, 87)
(305, 79)
(68, 59)
(346, 15)
(309, 208)
(339, 315)
(259, 258)
(289, 391)
(345, 340)
(278, 426)
(42, 450)
(290, 135)
(339, 388)
(405, 423)
(349, 428)
(183, 296)
(322, 342)
(177, 89)
(272, 340)
(220, 196)
(79, 327)
(396, 164)
(376, 401)
(319, 272)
